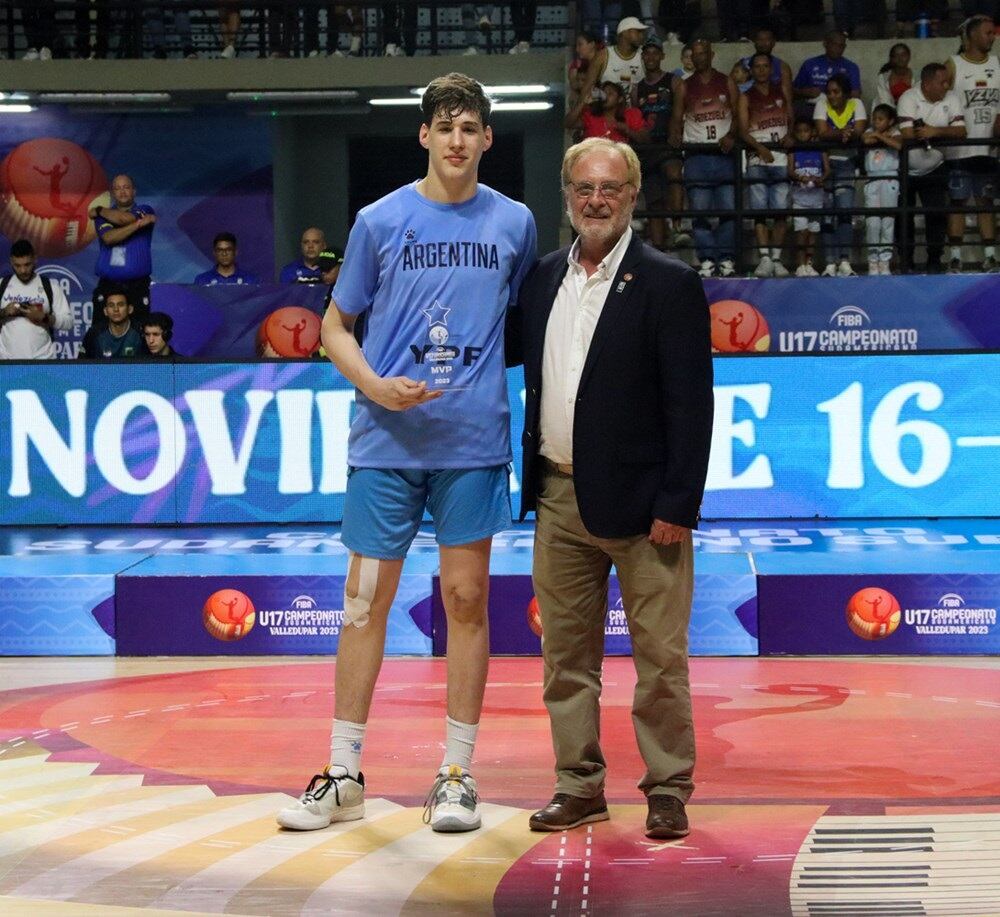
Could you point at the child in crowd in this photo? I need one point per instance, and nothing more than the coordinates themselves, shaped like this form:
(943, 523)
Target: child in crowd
(882, 188)
(808, 170)
(687, 63)
(741, 76)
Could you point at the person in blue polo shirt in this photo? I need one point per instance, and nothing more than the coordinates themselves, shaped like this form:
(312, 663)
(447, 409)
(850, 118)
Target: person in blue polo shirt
(226, 270)
(125, 239)
(306, 269)
(815, 72)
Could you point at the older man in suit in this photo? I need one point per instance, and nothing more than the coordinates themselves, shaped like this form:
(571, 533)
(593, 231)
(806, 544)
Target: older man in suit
(615, 342)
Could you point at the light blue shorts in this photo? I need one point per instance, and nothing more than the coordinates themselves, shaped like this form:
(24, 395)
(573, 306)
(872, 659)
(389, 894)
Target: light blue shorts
(383, 507)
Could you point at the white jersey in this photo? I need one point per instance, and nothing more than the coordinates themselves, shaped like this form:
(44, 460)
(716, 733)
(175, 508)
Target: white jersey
(978, 88)
(625, 71)
(22, 339)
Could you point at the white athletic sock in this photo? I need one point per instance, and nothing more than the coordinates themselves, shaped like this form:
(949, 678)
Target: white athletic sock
(956, 253)
(345, 746)
(776, 254)
(989, 251)
(460, 742)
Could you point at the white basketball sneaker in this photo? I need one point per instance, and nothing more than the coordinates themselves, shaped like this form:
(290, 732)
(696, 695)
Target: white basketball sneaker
(328, 798)
(453, 803)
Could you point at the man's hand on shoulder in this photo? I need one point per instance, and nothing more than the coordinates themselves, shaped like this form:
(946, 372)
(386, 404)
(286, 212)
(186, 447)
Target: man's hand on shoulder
(667, 533)
(398, 393)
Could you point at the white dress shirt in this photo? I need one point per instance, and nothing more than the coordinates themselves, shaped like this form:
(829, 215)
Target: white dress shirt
(577, 307)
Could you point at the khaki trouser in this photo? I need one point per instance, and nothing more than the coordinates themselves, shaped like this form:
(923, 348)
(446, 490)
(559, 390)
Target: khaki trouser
(571, 570)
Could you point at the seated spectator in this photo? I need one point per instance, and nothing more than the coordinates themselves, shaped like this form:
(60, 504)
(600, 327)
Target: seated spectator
(704, 114)
(781, 73)
(587, 46)
(117, 337)
(926, 112)
(661, 163)
(306, 269)
(229, 27)
(808, 170)
(882, 188)
(895, 76)
(763, 118)
(680, 19)
(180, 27)
(329, 263)
(399, 28)
(740, 75)
(477, 22)
(38, 21)
(338, 16)
(841, 119)
(157, 331)
(31, 308)
(811, 80)
(522, 18)
(226, 270)
(610, 117)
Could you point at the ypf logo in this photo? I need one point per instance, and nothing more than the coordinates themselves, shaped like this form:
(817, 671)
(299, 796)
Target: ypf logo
(873, 613)
(738, 327)
(228, 615)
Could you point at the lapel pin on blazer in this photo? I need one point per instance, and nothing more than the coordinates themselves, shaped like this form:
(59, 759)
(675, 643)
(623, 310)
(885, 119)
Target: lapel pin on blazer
(621, 286)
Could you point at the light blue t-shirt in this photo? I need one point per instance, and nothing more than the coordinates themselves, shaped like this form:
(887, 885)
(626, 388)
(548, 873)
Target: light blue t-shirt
(438, 279)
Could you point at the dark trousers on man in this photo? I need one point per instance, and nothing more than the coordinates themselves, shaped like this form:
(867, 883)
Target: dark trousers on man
(399, 25)
(932, 189)
(570, 573)
(522, 17)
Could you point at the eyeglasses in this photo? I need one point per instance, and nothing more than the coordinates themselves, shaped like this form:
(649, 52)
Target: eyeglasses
(610, 190)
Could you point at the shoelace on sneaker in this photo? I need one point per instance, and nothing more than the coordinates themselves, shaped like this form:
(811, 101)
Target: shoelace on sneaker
(320, 785)
(451, 786)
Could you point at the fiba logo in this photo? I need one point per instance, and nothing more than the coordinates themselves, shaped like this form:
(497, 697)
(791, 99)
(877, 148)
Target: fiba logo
(738, 327)
(228, 615)
(873, 613)
(951, 600)
(850, 317)
(303, 603)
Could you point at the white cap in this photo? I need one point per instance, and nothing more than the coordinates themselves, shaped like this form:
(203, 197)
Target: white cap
(631, 22)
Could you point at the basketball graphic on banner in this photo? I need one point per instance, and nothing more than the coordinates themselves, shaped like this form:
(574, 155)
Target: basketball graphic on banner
(290, 331)
(229, 614)
(738, 327)
(873, 613)
(47, 187)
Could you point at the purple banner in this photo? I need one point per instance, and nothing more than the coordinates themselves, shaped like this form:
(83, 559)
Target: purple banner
(243, 322)
(872, 614)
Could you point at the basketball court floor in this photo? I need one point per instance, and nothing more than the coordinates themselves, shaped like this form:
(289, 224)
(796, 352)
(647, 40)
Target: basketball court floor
(824, 786)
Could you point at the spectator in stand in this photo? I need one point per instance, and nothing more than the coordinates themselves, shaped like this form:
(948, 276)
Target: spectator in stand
(740, 74)
(580, 68)
(841, 120)
(926, 112)
(763, 118)
(808, 170)
(102, 21)
(125, 240)
(895, 76)
(116, 336)
(31, 308)
(157, 331)
(156, 29)
(306, 269)
(399, 28)
(974, 76)
(339, 16)
(882, 188)
(680, 19)
(226, 270)
(810, 81)
(477, 21)
(611, 117)
(621, 62)
(38, 22)
(661, 163)
(598, 15)
(687, 64)
(229, 27)
(330, 261)
(781, 73)
(522, 16)
(704, 113)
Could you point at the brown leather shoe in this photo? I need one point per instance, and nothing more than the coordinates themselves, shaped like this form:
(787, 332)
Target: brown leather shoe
(666, 817)
(567, 811)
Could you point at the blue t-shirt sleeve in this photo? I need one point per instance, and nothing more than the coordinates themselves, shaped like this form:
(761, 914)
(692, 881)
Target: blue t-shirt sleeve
(287, 274)
(101, 226)
(358, 277)
(526, 257)
(802, 77)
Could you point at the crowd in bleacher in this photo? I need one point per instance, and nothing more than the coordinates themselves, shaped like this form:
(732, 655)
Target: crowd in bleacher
(802, 143)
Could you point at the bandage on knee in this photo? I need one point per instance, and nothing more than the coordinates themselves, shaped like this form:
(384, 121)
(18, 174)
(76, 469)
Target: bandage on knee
(358, 607)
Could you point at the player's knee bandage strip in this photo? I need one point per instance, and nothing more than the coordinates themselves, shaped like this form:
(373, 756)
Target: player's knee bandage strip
(358, 607)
